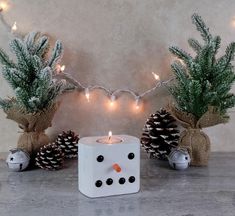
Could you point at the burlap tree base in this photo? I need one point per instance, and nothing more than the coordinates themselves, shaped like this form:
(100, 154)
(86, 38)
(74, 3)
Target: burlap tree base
(198, 145)
(33, 126)
(193, 138)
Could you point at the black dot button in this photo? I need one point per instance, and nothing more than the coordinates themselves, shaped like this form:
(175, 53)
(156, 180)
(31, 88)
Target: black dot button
(100, 158)
(131, 156)
(132, 179)
(109, 181)
(122, 181)
(98, 183)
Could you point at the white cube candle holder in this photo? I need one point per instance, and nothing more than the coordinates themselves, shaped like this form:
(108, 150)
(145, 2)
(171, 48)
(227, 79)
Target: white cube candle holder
(106, 169)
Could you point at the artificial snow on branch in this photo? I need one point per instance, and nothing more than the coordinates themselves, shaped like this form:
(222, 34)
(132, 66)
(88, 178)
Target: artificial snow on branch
(31, 75)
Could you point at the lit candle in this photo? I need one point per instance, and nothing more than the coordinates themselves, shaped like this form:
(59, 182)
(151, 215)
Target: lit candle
(110, 135)
(108, 165)
(110, 139)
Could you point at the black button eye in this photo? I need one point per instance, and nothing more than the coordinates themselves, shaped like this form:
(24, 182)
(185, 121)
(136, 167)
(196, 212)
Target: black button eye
(11, 158)
(122, 181)
(131, 156)
(132, 179)
(98, 183)
(109, 181)
(100, 158)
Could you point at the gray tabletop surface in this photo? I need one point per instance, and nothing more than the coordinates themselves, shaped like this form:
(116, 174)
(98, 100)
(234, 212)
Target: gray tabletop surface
(193, 192)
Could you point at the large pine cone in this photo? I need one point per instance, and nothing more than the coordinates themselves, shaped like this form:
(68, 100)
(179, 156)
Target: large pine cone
(50, 157)
(68, 142)
(160, 135)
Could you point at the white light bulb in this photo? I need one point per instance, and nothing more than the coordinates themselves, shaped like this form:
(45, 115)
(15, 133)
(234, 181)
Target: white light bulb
(156, 77)
(3, 6)
(233, 22)
(112, 99)
(87, 94)
(14, 27)
(62, 68)
(137, 103)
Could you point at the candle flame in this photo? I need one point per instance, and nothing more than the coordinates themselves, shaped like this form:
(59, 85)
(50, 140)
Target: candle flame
(14, 27)
(110, 135)
(156, 77)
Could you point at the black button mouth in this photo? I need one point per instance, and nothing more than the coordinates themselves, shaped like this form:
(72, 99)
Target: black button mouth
(98, 183)
(122, 181)
(109, 181)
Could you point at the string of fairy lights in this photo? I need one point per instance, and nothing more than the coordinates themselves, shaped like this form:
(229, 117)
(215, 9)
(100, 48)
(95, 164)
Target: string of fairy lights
(112, 94)
(76, 85)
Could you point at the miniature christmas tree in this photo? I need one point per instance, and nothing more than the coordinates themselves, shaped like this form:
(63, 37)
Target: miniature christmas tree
(160, 135)
(30, 77)
(202, 90)
(204, 80)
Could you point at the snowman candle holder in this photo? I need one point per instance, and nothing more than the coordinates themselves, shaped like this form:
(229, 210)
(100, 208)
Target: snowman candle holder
(109, 165)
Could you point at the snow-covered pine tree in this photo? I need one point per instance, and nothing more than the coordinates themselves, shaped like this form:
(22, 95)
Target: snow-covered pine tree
(31, 75)
(204, 80)
(202, 90)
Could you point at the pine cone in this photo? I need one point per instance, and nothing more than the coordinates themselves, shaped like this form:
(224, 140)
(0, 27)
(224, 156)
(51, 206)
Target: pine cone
(160, 135)
(68, 142)
(50, 157)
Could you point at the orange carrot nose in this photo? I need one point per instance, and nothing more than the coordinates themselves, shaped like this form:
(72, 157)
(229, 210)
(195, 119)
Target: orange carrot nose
(117, 168)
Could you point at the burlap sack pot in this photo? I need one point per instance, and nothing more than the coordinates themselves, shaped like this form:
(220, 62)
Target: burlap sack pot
(33, 126)
(193, 138)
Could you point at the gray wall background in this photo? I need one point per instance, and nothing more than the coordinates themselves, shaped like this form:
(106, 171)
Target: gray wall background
(116, 43)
